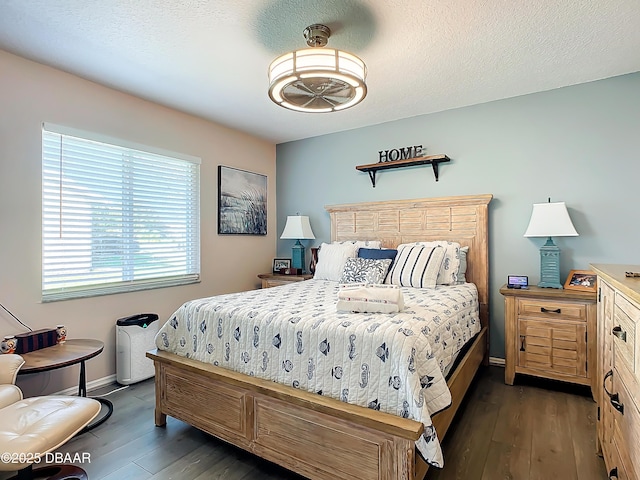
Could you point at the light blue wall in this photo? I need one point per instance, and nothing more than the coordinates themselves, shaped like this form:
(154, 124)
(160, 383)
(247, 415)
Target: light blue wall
(578, 144)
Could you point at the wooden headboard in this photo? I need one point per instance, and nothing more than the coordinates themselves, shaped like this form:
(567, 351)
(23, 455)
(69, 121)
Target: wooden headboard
(462, 219)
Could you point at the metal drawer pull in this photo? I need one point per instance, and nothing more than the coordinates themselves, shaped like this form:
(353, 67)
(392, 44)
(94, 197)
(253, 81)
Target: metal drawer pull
(613, 473)
(618, 332)
(604, 383)
(546, 310)
(614, 398)
(615, 401)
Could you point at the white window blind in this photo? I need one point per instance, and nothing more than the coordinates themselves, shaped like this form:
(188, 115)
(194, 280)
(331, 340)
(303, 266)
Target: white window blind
(116, 218)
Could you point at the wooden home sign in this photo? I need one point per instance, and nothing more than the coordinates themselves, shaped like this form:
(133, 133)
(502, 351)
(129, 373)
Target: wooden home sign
(402, 157)
(403, 153)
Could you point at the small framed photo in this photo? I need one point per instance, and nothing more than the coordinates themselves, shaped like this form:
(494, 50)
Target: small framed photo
(279, 263)
(584, 280)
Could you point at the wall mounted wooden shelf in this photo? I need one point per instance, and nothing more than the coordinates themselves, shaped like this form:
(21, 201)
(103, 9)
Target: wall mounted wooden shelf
(433, 160)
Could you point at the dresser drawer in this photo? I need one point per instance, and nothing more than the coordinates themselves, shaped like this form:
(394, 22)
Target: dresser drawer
(626, 433)
(630, 308)
(624, 339)
(552, 309)
(618, 468)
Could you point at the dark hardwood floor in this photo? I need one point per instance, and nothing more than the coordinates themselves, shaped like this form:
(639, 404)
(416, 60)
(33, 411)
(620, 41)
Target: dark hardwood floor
(532, 430)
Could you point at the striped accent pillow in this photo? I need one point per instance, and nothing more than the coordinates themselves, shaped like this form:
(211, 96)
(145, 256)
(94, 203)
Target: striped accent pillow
(416, 266)
(450, 265)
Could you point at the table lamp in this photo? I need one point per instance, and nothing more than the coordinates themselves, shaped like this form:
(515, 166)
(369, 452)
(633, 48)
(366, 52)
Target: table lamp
(297, 228)
(550, 220)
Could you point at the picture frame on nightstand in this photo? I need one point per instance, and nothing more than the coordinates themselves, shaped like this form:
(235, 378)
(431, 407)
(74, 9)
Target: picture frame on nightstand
(583, 280)
(280, 264)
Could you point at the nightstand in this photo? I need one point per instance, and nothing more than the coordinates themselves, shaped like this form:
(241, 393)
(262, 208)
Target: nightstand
(550, 333)
(275, 279)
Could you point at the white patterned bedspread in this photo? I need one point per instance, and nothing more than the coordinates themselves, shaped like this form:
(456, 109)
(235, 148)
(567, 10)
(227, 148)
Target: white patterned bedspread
(293, 335)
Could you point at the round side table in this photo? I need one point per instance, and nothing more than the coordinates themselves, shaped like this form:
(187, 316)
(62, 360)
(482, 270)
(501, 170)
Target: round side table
(71, 352)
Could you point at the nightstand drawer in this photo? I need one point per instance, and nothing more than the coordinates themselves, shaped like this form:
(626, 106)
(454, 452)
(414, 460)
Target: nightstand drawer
(273, 282)
(552, 309)
(275, 279)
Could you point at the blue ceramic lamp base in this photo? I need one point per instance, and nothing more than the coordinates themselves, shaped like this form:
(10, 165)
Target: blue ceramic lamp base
(550, 265)
(297, 255)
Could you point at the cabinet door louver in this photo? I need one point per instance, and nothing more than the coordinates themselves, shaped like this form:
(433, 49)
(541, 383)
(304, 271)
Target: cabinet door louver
(560, 347)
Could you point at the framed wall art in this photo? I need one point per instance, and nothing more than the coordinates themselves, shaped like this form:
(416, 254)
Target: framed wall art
(242, 202)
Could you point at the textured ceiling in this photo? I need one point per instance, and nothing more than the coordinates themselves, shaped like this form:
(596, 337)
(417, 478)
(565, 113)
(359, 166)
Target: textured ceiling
(210, 57)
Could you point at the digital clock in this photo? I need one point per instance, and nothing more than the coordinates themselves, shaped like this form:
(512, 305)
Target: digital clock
(517, 281)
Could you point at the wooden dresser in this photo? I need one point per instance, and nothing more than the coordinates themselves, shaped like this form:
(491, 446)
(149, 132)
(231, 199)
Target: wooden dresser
(618, 395)
(550, 333)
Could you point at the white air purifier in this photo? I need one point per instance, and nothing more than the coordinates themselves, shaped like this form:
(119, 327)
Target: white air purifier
(134, 337)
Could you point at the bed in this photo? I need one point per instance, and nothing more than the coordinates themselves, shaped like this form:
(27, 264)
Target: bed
(316, 435)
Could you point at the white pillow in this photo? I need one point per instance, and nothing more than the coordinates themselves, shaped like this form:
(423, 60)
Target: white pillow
(362, 243)
(450, 265)
(416, 266)
(462, 271)
(332, 258)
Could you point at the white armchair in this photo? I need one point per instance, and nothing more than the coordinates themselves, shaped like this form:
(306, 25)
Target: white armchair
(32, 427)
(9, 366)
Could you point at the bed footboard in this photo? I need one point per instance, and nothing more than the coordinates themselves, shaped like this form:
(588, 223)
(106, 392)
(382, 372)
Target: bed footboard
(315, 436)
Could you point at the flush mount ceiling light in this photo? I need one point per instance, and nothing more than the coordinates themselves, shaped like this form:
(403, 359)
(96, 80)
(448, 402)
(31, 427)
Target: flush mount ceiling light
(317, 79)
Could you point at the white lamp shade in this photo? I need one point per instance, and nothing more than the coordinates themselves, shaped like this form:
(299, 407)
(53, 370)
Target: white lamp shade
(550, 220)
(297, 228)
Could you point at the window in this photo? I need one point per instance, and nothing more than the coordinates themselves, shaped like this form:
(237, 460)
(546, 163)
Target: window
(116, 217)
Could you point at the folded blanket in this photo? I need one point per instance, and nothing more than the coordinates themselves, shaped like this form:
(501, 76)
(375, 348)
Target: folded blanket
(372, 298)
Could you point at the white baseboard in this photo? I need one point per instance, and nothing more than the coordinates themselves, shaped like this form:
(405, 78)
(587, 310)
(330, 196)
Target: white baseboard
(92, 385)
(496, 361)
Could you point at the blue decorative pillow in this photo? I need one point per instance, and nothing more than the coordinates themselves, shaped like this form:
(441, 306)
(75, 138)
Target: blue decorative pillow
(377, 253)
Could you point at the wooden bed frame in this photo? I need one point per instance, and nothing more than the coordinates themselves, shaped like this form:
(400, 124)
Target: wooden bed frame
(313, 435)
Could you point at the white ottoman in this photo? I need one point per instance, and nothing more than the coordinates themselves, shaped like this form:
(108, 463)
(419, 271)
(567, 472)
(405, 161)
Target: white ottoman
(35, 426)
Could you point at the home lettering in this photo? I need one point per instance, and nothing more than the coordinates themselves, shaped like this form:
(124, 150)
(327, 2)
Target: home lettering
(400, 153)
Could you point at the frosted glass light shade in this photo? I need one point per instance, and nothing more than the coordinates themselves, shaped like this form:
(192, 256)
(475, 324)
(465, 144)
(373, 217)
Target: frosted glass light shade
(297, 228)
(550, 220)
(317, 80)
